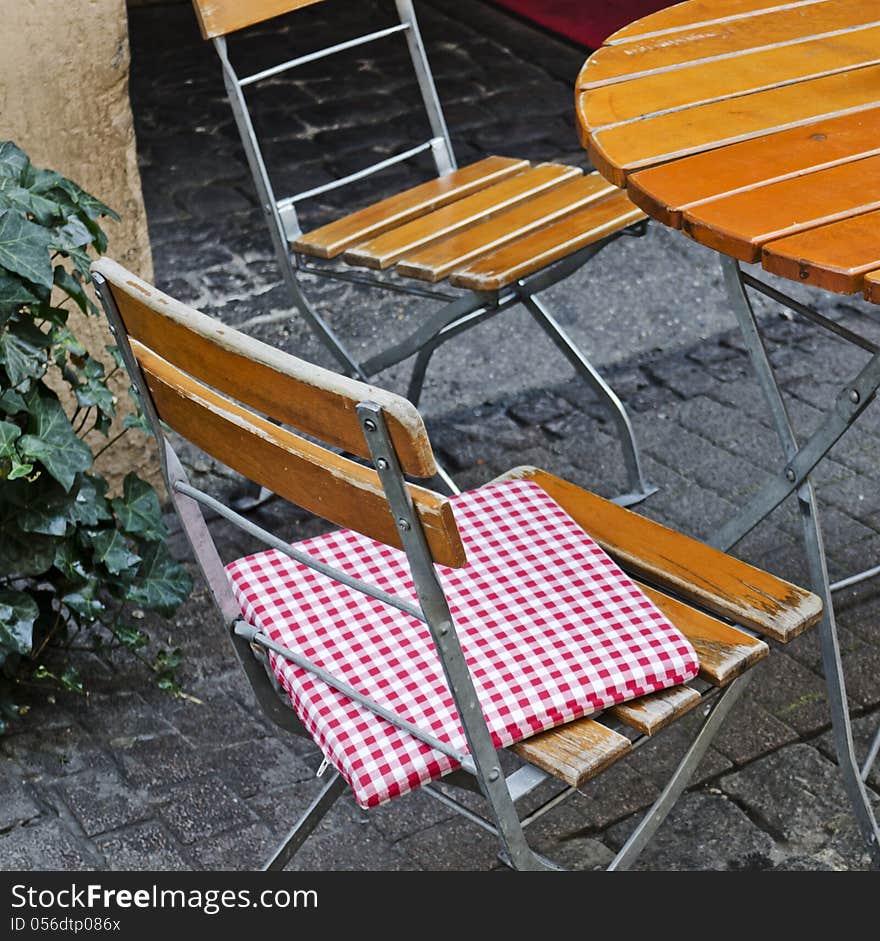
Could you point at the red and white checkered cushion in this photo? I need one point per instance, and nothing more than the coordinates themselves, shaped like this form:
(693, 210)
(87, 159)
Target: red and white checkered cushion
(551, 628)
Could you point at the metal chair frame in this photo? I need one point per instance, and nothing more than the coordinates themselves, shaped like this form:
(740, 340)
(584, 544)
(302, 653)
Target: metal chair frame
(462, 311)
(801, 458)
(480, 770)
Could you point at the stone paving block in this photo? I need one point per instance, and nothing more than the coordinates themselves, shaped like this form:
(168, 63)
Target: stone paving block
(239, 849)
(260, 765)
(17, 804)
(201, 808)
(451, 845)
(102, 801)
(705, 830)
(792, 693)
(46, 844)
(158, 761)
(864, 728)
(796, 794)
(147, 846)
(750, 731)
(56, 752)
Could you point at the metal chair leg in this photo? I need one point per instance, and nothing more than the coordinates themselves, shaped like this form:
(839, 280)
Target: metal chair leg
(639, 488)
(650, 823)
(307, 823)
(871, 756)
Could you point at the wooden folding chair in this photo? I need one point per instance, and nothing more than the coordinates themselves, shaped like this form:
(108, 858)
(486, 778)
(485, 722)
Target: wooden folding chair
(430, 632)
(500, 229)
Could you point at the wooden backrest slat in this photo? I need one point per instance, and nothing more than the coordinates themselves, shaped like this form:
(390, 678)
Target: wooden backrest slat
(313, 400)
(219, 17)
(331, 486)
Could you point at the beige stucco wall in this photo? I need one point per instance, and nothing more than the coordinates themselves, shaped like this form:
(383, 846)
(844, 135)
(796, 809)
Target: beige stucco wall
(64, 99)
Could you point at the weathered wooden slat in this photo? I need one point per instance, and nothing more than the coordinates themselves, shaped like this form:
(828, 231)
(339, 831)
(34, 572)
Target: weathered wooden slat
(835, 257)
(291, 390)
(725, 652)
(686, 16)
(324, 483)
(686, 567)
(219, 17)
(575, 752)
(332, 239)
(386, 249)
(739, 225)
(719, 79)
(650, 714)
(533, 252)
(438, 260)
(618, 151)
(664, 192)
(724, 41)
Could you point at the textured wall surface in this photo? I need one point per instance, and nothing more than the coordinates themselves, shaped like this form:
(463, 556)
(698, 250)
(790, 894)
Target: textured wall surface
(64, 99)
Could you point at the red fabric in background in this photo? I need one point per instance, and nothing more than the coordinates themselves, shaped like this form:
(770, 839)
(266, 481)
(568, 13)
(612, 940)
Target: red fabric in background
(587, 22)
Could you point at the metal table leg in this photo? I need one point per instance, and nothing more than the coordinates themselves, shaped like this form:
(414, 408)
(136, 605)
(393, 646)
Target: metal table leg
(799, 479)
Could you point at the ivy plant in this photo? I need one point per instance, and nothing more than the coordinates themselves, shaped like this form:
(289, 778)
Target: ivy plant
(78, 565)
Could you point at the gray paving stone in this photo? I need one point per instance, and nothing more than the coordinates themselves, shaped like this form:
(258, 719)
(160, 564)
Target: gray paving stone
(245, 848)
(202, 808)
(100, 800)
(17, 804)
(795, 793)
(46, 844)
(705, 830)
(158, 761)
(57, 752)
(147, 846)
(259, 765)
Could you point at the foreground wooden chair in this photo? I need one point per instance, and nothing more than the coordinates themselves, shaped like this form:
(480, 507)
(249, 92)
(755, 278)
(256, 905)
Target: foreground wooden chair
(432, 631)
(501, 230)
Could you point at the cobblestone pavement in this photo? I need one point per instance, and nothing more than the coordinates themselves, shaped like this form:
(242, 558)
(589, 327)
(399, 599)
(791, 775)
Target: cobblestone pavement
(132, 779)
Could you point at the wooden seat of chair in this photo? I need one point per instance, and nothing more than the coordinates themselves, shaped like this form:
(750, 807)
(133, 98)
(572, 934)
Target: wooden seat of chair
(686, 579)
(481, 227)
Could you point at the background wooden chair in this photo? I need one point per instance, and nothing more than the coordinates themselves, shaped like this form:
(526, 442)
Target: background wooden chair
(432, 631)
(498, 232)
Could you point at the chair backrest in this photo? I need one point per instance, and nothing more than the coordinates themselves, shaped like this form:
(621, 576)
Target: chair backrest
(219, 18)
(224, 391)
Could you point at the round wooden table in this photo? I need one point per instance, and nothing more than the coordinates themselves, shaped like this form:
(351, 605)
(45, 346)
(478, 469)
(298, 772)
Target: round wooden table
(754, 127)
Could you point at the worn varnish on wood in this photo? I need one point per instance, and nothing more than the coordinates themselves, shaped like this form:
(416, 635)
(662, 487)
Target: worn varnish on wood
(219, 17)
(752, 126)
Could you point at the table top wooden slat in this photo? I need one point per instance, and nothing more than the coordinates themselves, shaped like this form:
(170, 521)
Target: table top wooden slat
(715, 80)
(835, 257)
(386, 249)
(700, 12)
(739, 225)
(753, 126)
(436, 261)
(666, 191)
(725, 42)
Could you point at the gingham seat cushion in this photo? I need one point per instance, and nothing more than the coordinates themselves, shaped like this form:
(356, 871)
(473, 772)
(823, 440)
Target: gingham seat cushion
(551, 629)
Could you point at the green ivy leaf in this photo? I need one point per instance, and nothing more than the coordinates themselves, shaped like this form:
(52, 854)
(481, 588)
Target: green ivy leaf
(22, 358)
(70, 561)
(138, 510)
(8, 435)
(12, 402)
(15, 197)
(24, 248)
(162, 583)
(14, 291)
(13, 160)
(18, 611)
(73, 288)
(85, 601)
(52, 441)
(23, 554)
(90, 205)
(130, 637)
(91, 388)
(90, 505)
(73, 234)
(113, 550)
